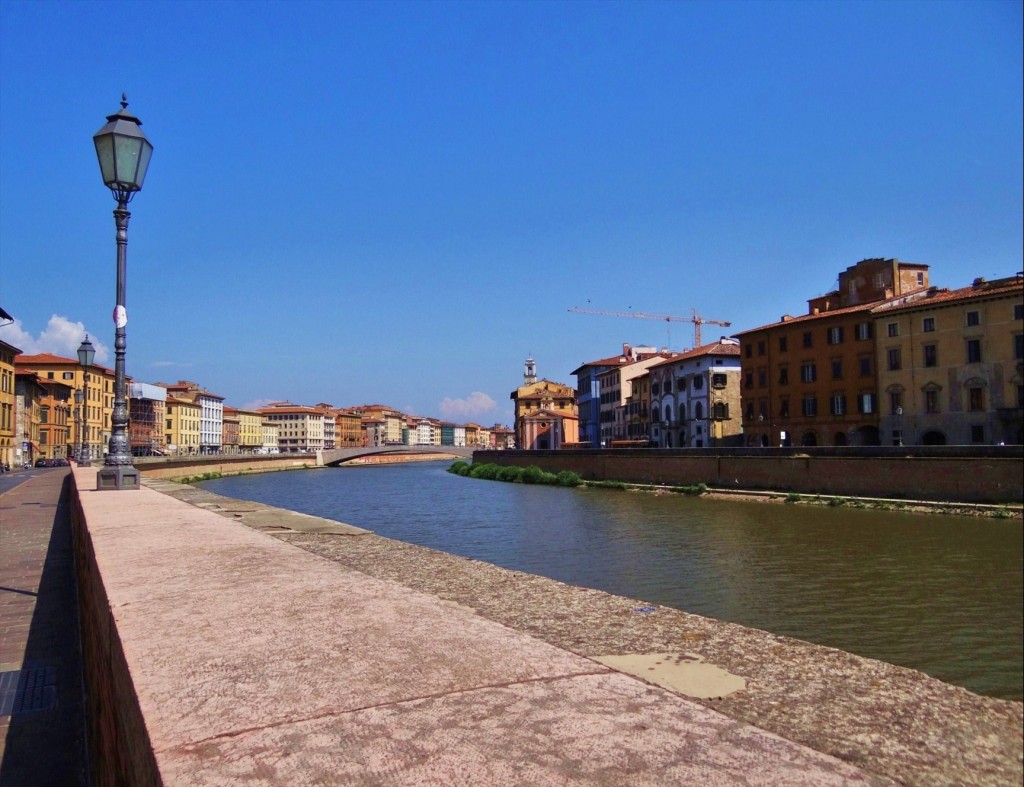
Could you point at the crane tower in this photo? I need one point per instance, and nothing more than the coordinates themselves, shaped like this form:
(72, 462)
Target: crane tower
(696, 319)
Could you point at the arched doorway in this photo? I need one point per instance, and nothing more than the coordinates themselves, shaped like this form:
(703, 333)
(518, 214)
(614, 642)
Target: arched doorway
(809, 439)
(839, 438)
(933, 438)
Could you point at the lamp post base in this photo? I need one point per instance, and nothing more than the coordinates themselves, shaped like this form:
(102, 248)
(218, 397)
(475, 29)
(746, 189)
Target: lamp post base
(113, 477)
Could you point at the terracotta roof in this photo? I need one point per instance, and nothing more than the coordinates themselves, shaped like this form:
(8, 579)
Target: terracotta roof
(860, 307)
(943, 297)
(715, 348)
(48, 359)
(614, 360)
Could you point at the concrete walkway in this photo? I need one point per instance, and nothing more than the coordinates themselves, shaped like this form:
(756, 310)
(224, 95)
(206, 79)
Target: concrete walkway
(42, 733)
(259, 663)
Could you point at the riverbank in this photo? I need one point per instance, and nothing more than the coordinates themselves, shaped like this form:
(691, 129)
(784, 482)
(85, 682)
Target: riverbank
(886, 719)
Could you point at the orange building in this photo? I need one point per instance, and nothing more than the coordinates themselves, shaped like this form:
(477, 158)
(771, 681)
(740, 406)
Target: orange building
(812, 380)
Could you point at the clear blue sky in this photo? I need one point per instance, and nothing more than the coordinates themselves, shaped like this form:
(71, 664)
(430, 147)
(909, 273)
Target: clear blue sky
(397, 202)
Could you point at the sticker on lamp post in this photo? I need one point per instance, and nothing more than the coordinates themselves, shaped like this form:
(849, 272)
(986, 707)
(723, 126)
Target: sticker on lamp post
(120, 316)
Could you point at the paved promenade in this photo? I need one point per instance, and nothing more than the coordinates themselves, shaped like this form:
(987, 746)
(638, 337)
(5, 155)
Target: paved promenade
(256, 662)
(42, 733)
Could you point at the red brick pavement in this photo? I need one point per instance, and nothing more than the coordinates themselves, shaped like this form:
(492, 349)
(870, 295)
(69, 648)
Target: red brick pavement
(42, 730)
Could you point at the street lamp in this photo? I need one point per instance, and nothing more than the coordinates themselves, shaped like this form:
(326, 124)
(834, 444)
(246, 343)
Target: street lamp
(86, 352)
(123, 152)
(899, 426)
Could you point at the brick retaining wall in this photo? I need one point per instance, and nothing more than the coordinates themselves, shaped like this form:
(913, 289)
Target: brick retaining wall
(982, 476)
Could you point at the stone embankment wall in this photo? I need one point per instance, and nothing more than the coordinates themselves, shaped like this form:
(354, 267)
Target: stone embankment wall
(182, 467)
(986, 475)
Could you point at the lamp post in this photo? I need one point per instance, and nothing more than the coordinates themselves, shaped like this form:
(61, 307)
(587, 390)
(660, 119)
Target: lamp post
(123, 152)
(86, 352)
(899, 426)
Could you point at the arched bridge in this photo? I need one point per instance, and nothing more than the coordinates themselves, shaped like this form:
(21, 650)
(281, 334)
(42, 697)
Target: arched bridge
(336, 456)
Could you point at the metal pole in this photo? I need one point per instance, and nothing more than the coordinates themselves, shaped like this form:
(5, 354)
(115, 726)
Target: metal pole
(117, 471)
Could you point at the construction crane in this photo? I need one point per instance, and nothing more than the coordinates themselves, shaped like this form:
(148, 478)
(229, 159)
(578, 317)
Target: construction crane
(696, 319)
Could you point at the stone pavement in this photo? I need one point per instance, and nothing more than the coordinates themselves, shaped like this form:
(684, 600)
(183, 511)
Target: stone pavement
(42, 731)
(256, 662)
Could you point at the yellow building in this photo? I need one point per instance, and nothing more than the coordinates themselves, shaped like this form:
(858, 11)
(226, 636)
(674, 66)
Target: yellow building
(183, 430)
(546, 416)
(98, 386)
(950, 365)
(7, 437)
(250, 430)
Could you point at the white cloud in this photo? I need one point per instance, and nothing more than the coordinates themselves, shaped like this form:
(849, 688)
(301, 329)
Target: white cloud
(60, 337)
(473, 406)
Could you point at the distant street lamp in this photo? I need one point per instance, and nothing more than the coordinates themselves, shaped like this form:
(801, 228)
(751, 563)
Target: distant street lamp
(124, 154)
(899, 426)
(86, 352)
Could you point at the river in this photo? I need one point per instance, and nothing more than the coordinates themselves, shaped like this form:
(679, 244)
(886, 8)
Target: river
(937, 593)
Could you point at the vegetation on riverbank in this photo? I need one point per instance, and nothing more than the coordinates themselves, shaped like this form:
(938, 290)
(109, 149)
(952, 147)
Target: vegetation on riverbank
(534, 475)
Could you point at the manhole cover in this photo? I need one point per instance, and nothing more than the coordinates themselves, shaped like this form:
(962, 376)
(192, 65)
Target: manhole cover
(27, 690)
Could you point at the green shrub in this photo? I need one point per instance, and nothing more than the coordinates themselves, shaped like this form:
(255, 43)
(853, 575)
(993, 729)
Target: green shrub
(568, 478)
(534, 475)
(510, 474)
(459, 468)
(608, 484)
(835, 502)
(488, 472)
(793, 497)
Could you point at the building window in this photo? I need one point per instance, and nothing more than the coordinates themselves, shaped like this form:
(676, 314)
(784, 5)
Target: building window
(784, 408)
(808, 373)
(976, 399)
(862, 331)
(920, 279)
(783, 375)
(837, 404)
(974, 351)
(893, 359)
(973, 318)
(893, 329)
(809, 406)
(719, 380)
(1018, 311)
(866, 403)
(750, 412)
(931, 355)
(748, 350)
(928, 325)
(808, 342)
(931, 401)
(762, 378)
(977, 433)
(895, 402)
(864, 362)
(760, 347)
(835, 335)
(837, 369)
(698, 383)
(783, 344)
(721, 412)
(1018, 346)
(748, 380)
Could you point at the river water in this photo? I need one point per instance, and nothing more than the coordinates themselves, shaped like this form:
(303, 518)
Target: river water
(937, 593)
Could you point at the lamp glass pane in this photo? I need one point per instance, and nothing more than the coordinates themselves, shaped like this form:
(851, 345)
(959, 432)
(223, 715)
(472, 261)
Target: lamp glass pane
(105, 153)
(144, 154)
(126, 159)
